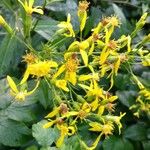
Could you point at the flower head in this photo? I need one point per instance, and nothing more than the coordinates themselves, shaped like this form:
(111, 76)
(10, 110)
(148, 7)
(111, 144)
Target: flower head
(19, 95)
(38, 69)
(28, 7)
(67, 27)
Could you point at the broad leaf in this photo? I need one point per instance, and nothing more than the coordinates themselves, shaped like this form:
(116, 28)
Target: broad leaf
(44, 137)
(12, 133)
(116, 143)
(136, 132)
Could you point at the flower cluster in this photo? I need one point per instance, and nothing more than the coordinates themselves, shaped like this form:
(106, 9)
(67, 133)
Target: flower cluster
(77, 79)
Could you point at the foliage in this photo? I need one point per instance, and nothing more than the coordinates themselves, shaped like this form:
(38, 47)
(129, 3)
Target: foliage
(74, 75)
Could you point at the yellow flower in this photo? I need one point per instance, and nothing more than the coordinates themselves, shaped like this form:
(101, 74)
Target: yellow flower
(146, 93)
(62, 84)
(29, 58)
(116, 120)
(28, 7)
(82, 47)
(106, 128)
(70, 68)
(93, 76)
(95, 92)
(67, 26)
(19, 95)
(39, 69)
(64, 131)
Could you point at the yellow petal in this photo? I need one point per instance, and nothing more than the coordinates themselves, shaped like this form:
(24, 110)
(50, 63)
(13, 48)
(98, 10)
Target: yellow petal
(12, 84)
(91, 49)
(38, 10)
(95, 126)
(82, 19)
(52, 64)
(60, 71)
(25, 77)
(129, 44)
(31, 2)
(64, 132)
(103, 56)
(84, 45)
(117, 65)
(84, 86)
(71, 76)
(84, 57)
(113, 98)
(49, 124)
(94, 104)
(73, 46)
(53, 113)
(62, 84)
(101, 110)
(84, 77)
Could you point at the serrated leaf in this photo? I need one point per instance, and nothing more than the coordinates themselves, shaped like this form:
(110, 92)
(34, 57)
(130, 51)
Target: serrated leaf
(13, 133)
(116, 143)
(44, 137)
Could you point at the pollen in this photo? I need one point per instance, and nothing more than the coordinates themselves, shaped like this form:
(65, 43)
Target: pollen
(29, 58)
(71, 65)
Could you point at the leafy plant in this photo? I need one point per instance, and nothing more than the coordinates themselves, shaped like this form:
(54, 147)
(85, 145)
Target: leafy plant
(74, 75)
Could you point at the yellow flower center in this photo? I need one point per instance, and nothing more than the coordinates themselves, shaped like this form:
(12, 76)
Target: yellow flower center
(20, 96)
(29, 58)
(107, 129)
(71, 65)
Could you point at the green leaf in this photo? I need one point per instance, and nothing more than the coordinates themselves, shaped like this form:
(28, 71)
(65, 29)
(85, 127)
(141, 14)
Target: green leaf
(46, 28)
(119, 13)
(10, 51)
(44, 94)
(93, 20)
(136, 132)
(127, 98)
(12, 133)
(71, 143)
(13, 109)
(44, 137)
(146, 145)
(116, 143)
